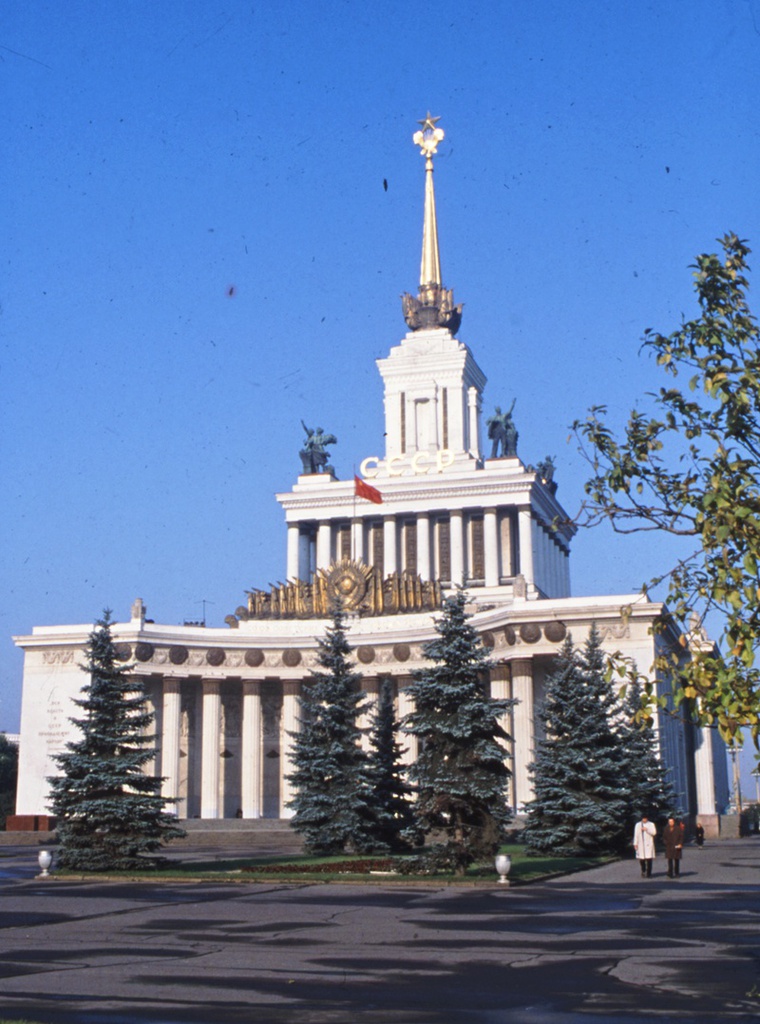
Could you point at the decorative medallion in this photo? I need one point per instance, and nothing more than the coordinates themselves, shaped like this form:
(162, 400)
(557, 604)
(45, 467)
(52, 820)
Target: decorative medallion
(366, 655)
(215, 656)
(178, 654)
(347, 584)
(489, 640)
(143, 652)
(530, 632)
(291, 657)
(510, 636)
(401, 652)
(254, 657)
(357, 587)
(555, 631)
(123, 652)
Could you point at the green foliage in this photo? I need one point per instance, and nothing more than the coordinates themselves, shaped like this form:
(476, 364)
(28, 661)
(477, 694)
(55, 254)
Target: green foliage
(8, 777)
(460, 773)
(110, 813)
(332, 802)
(392, 810)
(580, 779)
(692, 470)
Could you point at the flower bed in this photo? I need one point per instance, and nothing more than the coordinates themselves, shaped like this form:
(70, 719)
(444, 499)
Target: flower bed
(341, 867)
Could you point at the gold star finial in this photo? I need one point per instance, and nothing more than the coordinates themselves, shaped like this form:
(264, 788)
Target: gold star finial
(429, 136)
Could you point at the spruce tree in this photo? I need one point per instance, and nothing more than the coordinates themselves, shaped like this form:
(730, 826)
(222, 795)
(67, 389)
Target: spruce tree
(332, 792)
(581, 797)
(392, 811)
(650, 792)
(460, 774)
(110, 812)
(8, 777)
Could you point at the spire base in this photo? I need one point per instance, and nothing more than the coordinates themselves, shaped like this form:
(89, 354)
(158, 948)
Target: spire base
(433, 307)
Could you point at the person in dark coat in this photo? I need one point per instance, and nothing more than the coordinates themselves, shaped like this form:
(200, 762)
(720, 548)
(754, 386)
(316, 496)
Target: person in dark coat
(699, 834)
(672, 836)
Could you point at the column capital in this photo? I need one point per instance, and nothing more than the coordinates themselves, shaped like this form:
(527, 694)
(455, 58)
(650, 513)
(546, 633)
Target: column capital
(522, 666)
(211, 685)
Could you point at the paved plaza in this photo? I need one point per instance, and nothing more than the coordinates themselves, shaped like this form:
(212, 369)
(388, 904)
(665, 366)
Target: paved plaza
(601, 946)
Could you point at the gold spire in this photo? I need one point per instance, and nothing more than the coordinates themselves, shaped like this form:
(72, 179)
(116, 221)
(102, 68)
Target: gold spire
(434, 305)
(427, 139)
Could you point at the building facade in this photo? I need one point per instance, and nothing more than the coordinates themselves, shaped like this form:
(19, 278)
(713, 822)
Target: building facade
(449, 502)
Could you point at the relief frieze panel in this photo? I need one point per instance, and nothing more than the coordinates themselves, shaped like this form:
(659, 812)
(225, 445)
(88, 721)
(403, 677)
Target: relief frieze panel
(58, 657)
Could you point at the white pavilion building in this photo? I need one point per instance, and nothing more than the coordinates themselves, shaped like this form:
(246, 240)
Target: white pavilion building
(456, 509)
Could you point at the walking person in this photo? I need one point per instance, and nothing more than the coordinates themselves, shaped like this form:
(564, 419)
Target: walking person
(673, 837)
(643, 844)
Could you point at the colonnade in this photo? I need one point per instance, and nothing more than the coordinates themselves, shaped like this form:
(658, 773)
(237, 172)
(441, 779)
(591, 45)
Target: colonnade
(192, 760)
(483, 547)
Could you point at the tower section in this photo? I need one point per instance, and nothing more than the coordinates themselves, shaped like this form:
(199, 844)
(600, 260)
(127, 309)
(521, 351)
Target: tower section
(433, 386)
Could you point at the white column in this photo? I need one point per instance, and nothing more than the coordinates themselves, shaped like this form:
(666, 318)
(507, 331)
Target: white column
(525, 532)
(390, 563)
(501, 689)
(472, 404)
(423, 545)
(409, 744)
(289, 723)
(456, 543)
(523, 730)
(294, 552)
(324, 552)
(170, 742)
(357, 539)
(491, 546)
(703, 769)
(210, 749)
(251, 743)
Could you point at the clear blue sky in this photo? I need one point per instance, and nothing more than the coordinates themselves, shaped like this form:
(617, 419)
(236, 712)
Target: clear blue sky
(159, 156)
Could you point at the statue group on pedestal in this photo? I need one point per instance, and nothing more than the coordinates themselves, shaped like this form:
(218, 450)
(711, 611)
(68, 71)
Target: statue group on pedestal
(314, 454)
(503, 433)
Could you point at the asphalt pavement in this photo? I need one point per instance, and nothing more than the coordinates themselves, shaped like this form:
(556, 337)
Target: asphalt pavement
(603, 946)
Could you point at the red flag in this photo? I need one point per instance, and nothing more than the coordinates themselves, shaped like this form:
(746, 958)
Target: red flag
(364, 490)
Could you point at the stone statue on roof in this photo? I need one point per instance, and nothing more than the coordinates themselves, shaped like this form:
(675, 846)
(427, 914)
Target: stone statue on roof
(314, 454)
(503, 433)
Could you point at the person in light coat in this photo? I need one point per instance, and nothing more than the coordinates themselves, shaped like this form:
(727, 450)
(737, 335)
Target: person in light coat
(643, 844)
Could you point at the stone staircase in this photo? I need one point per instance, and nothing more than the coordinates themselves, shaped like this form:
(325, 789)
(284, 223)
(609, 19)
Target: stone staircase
(255, 837)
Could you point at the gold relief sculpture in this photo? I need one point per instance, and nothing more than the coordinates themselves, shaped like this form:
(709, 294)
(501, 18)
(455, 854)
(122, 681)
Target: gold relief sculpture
(357, 587)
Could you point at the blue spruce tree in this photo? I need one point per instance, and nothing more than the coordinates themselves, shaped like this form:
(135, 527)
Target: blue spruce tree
(111, 816)
(392, 810)
(581, 794)
(650, 792)
(332, 802)
(460, 774)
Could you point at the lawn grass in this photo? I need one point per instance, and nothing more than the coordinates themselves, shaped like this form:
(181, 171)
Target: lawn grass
(287, 869)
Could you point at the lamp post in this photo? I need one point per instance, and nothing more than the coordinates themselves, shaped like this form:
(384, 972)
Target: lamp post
(737, 780)
(503, 864)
